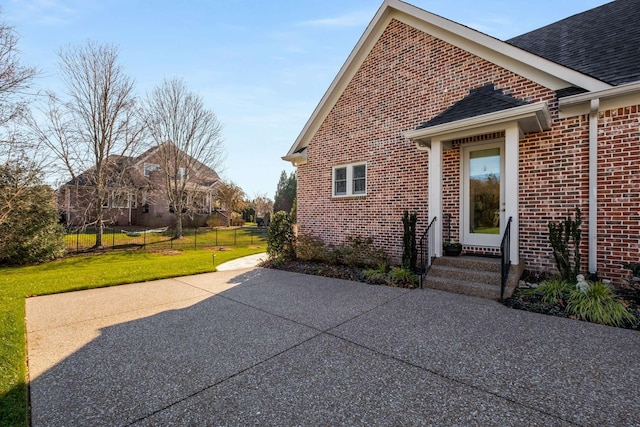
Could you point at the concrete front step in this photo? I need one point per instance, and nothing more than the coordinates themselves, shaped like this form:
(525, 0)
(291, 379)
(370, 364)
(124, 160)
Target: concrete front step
(465, 274)
(464, 287)
(469, 275)
(469, 262)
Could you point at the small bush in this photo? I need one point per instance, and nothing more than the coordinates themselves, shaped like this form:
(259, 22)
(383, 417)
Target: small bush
(376, 275)
(312, 248)
(280, 238)
(599, 305)
(565, 236)
(360, 252)
(553, 291)
(213, 220)
(402, 276)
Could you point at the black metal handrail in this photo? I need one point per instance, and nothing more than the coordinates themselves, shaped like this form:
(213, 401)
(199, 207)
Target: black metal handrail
(505, 253)
(427, 242)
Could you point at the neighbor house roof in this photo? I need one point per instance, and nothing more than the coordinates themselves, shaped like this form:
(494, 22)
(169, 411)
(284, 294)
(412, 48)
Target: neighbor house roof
(87, 178)
(603, 42)
(483, 100)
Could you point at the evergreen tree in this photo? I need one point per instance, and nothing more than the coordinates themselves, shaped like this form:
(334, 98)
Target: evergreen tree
(29, 229)
(286, 192)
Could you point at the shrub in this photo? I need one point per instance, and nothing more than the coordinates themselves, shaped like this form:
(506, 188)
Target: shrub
(376, 275)
(312, 248)
(634, 276)
(599, 305)
(562, 236)
(360, 252)
(402, 276)
(409, 248)
(29, 229)
(552, 291)
(236, 219)
(213, 220)
(280, 238)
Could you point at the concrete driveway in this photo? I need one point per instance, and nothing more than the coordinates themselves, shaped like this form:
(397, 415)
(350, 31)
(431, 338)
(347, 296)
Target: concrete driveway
(266, 347)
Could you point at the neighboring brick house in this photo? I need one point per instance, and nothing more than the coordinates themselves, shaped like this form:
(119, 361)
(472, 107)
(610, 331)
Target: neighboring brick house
(137, 194)
(428, 115)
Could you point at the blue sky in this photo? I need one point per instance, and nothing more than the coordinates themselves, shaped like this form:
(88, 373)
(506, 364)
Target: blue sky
(262, 66)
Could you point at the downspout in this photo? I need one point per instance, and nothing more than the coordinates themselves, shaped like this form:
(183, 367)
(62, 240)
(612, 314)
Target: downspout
(593, 187)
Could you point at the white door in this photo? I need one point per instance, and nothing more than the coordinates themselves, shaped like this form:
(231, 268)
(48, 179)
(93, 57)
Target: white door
(483, 199)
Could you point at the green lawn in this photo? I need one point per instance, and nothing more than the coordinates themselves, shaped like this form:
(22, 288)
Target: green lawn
(75, 273)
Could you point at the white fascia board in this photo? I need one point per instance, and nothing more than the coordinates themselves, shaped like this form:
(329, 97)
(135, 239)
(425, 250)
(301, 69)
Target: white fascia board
(616, 97)
(537, 113)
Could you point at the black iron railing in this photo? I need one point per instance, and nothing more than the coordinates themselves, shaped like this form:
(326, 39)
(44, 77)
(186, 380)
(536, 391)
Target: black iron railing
(505, 252)
(427, 250)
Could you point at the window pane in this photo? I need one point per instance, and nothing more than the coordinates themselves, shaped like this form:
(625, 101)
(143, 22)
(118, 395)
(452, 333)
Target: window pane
(359, 179)
(340, 181)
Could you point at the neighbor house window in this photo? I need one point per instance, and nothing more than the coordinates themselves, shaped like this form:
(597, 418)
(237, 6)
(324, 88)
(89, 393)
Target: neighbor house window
(350, 180)
(150, 167)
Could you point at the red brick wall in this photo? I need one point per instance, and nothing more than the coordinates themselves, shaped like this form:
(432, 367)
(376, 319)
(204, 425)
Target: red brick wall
(554, 180)
(618, 190)
(408, 78)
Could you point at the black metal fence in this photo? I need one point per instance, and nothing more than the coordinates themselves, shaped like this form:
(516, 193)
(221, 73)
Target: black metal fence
(84, 240)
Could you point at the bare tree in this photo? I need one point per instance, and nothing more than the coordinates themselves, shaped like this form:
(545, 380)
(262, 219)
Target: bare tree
(94, 130)
(231, 198)
(15, 80)
(262, 204)
(14, 77)
(189, 137)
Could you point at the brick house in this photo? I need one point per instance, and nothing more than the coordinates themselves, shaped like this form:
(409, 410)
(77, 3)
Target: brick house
(428, 115)
(137, 194)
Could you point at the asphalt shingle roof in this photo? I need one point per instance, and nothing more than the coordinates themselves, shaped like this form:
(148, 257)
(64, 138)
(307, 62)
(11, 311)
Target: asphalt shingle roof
(483, 100)
(603, 42)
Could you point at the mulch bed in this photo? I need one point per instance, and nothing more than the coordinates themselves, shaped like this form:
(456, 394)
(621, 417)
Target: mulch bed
(517, 301)
(329, 270)
(521, 301)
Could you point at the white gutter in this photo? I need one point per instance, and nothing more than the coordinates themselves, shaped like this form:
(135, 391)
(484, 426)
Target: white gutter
(593, 186)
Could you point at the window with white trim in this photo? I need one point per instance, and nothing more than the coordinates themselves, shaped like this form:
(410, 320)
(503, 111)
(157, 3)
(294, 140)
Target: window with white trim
(350, 180)
(150, 167)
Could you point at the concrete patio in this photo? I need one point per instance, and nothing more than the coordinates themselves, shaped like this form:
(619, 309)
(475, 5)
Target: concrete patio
(267, 347)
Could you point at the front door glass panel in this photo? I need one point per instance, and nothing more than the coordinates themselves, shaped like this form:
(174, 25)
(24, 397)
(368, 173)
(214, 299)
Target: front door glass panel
(484, 191)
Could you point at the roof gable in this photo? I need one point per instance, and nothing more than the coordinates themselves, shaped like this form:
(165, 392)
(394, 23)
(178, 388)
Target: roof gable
(525, 64)
(603, 42)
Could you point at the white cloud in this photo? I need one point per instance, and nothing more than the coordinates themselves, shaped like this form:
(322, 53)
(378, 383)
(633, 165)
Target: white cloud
(47, 12)
(353, 19)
